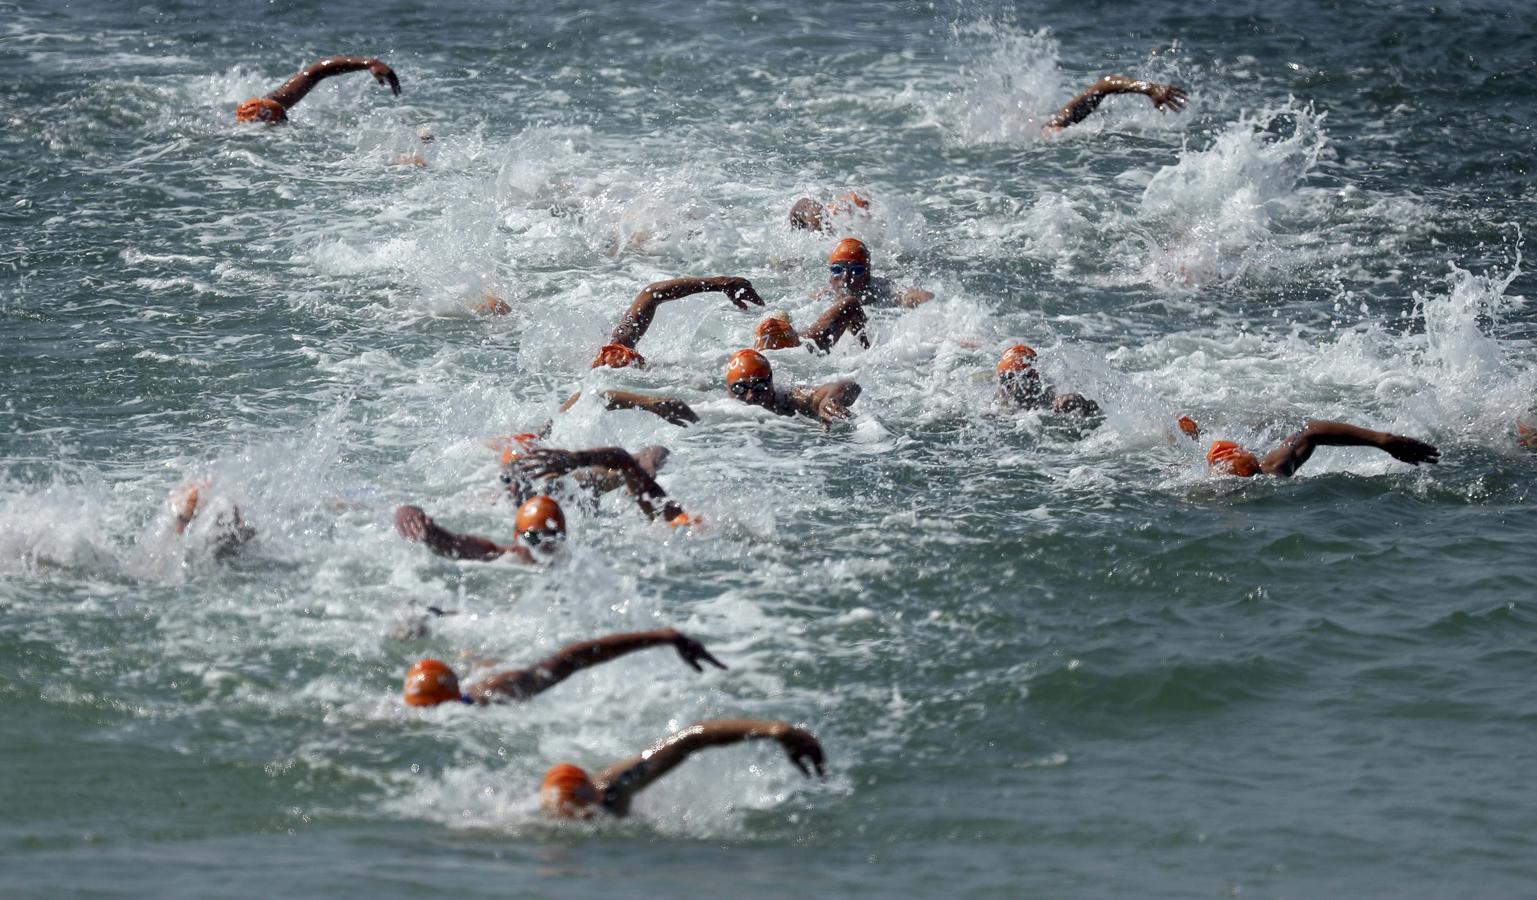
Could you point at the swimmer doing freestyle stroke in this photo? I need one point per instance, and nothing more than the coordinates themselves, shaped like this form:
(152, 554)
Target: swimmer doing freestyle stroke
(852, 287)
(273, 108)
(1227, 457)
(432, 681)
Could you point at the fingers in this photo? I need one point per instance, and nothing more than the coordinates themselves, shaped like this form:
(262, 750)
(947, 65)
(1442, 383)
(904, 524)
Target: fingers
(709, 658)
(795, 759)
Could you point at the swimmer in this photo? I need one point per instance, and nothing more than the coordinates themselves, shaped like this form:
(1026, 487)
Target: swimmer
(230, 531)
(620, 349)
(273, 108)
(1227, 457)
(808, 215)
(1164, 96)
(418, 159)
(541, 527)
(851, 287)
(431, 681)
(620, 466)
(569, 792)
(1020, 387)
(750, 379)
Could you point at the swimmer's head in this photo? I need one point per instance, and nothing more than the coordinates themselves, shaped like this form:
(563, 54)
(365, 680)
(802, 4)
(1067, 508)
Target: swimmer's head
(567, 792)
(749, 377)
(540, 522)
(1189, 428)
(849, 264)
(431, 682)
(806, 215)
(261, 109)
(1017, 359)
(1230, 458)
(776, 333)
(424, 133)
(618, 356)
(1018, 381)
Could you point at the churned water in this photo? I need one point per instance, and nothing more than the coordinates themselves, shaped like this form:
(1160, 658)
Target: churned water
(1042, 663)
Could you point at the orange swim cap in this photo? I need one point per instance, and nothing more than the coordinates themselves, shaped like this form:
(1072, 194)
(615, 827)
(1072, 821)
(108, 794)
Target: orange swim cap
(1526, 435)
(514, 446)
(776, 333)
(618, 356)
(1228, 456)
(541, 514)
(261, 109)
(1018, 358)
(431, 682)
(850, 250)
(1189, 427)
(567, 791)
(683, 520)
(747, 364)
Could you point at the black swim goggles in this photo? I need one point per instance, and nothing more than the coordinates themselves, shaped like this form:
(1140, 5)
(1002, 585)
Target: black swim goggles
(536, 536)
(746, 385)
(855, 270)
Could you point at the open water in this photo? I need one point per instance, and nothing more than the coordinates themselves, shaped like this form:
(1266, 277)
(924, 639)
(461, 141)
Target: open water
(1042, 663)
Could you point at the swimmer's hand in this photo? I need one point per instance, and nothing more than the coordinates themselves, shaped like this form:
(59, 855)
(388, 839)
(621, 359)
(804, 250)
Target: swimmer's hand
(412, 522)
(673, 410)
(692, 652)
(740, 291)
(1409, 450)
(914, 297)
(384, 75)
(1166, 96)
(1075, 404)
(801, 747)
(830, 411)
(548, 463)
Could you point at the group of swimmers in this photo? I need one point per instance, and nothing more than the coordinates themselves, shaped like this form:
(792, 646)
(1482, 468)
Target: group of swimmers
(528, 464)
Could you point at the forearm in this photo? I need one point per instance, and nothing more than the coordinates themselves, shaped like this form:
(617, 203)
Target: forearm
(591, 653)
(1084, 105)
(460, 546)
(637, 319)
(1340, 434)
(294, 89)
(637, 480)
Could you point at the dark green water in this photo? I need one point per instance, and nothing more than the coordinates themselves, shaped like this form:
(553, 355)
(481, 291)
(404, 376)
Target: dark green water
(1042, 664)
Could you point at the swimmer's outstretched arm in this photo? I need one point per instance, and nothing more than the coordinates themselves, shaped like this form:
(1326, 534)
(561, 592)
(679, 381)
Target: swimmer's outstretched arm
(521, 684)
(1164, 96)
(294, 89)
(620, 782)
(1297, 449)
(670, 408)
(641, 484)
(415, 525)
(632, 327)
(847, 315)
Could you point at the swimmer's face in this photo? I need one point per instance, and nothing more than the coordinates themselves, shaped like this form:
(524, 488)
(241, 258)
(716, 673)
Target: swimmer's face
(580, 803)
(543, 542)
(849, 277)
(757, 391)
(1022, 387)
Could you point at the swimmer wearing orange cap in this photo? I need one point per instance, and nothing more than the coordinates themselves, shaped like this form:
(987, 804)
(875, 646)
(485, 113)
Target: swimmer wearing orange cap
(568, 792)
(620, 350)
(641, 482)
(1227, 457)
(273, 108)
(431, 681)
(1020, 386)
(750, 379)
(807, 214)
(541, 526)
(1164, 96)
(849, 271)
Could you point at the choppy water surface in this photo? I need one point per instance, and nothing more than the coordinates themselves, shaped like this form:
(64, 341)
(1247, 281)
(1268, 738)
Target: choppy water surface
(1042, 664)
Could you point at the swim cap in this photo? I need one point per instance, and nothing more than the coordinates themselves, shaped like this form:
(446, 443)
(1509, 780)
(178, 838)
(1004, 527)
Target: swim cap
(567, 790)
(850, 250)
(541, 514)
(682, 520)
(776, 333)
(514, 446)
(618, 356)
(1228, 456)
(261, 109)
(431, 682)
(747, 364)
(1189, 427)
(1018, 358)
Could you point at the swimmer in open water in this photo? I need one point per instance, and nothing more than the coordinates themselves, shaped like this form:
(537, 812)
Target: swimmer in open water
(541, 527)
(230, 531)
(432, 681)
(620, 350)
(1164, 96)
(852, 287)
(750, 379)
(1020, 386)
(613, 462)
(273, 108)
(1229, 458)
(569, 792)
